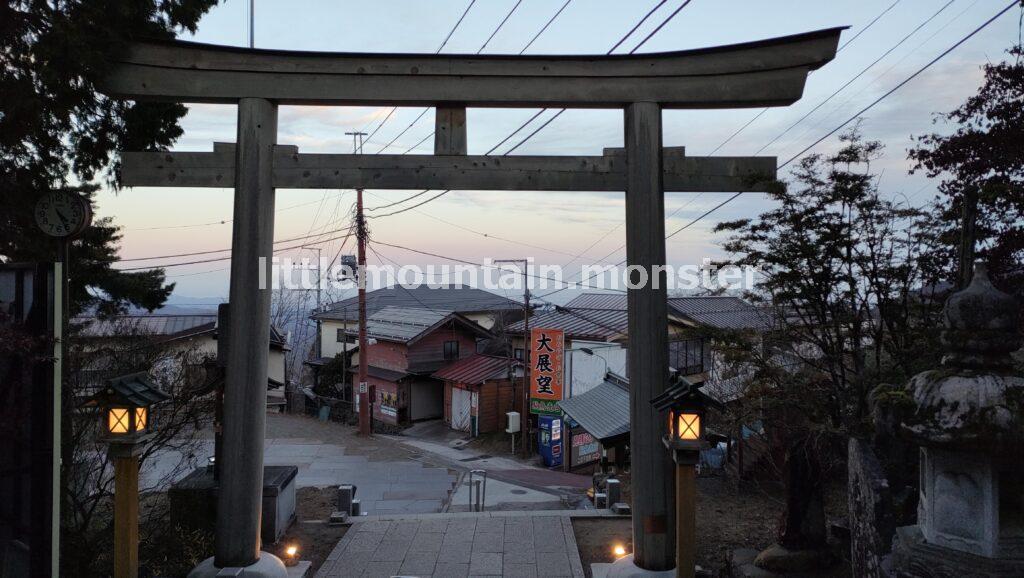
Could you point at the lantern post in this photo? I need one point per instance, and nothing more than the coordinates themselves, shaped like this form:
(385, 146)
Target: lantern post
(124, 404)
(685, 406)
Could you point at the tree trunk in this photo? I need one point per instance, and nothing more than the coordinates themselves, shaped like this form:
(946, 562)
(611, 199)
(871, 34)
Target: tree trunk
(803, 522)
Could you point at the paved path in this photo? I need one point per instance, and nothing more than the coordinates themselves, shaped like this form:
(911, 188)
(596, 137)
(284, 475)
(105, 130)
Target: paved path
(457, 545)
(383, 487)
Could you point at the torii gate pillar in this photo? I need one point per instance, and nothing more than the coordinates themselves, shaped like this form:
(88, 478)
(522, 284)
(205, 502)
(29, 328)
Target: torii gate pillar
(240, 493)
(651, 470)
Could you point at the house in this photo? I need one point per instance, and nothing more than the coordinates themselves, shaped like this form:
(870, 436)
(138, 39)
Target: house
(406, 346)
(597, 424)
(602, 413)
(485, 309)
(185, 336)
(690, 353)
(479, 390)
(337, 320)
(596, 342)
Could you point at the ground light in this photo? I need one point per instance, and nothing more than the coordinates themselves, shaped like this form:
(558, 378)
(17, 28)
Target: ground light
(619, 550)
(291, 555)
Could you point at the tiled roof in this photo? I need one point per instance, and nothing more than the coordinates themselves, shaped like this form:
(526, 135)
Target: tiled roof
(134, 389)
(604, 410)
(459, 299)
(723, 312)
(594, 324)
(401, 324)
(405, 324)
(476, 369)
(168, 326)
(381, 373)
(162, 325)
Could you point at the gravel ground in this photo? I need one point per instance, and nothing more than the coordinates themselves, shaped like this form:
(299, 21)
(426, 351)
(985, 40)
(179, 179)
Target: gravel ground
(310, 531)
(727, 518)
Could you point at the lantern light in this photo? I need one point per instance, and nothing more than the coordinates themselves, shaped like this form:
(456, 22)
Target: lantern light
(685, 405)
(124, 405)
(619, 551)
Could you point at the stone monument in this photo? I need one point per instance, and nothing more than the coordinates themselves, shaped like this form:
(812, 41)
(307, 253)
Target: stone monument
(968, 418)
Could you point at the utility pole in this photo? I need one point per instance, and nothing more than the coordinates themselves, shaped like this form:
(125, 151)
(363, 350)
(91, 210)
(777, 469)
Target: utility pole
(524, 419)
(252, 23)
(365, 419)
(319, 305)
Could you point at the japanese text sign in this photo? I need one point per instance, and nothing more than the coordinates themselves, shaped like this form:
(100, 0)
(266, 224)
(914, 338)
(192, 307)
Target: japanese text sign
(546, 351)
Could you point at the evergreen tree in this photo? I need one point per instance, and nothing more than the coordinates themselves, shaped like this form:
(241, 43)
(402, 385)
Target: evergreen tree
(58, 133)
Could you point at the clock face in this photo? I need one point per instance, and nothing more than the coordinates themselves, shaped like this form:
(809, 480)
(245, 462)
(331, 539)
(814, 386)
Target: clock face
(61, 214)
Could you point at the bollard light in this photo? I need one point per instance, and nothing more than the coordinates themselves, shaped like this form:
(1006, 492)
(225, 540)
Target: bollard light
(291, 555)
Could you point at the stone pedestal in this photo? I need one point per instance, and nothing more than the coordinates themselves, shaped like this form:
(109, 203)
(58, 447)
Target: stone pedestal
(194, 501)
(625, 568)
(268, 566)
(914, 557)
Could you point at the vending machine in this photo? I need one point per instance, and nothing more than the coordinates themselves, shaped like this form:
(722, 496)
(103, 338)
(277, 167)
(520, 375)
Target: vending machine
(550, 442)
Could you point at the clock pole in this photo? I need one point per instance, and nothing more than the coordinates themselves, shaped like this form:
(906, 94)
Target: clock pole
(64, 227)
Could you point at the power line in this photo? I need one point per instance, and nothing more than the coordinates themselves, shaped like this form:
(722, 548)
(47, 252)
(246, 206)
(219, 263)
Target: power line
(228, 248)
(856, 76)
(499, 27)
(222, 221)
(545, 27)
(166, 265)
(833, 131)
(838, 50)
(438, 51)
(865, 109)
(553, 117)
(891, 67)
(493, 267)
(479, 50)
(493, 236)
(904, 82)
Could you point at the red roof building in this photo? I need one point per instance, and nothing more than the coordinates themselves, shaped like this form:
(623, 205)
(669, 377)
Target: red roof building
(479, 391)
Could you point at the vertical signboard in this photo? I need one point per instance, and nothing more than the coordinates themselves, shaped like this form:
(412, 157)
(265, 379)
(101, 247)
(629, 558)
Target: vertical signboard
(547, 348)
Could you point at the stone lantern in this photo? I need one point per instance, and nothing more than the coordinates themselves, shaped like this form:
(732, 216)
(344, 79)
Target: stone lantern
(968, 418)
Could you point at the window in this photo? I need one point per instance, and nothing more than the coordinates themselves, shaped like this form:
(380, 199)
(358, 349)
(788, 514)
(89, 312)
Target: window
(451, 349)
(518, 353)
(341, 335)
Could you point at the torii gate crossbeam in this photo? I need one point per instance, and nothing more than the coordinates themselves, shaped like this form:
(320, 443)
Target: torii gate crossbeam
(765, 73)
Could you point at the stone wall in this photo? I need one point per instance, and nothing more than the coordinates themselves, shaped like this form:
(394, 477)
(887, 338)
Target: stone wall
(870, 501)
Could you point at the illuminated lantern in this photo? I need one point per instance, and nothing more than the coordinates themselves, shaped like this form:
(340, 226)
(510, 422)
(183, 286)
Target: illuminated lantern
(124, 404)
(684, 405)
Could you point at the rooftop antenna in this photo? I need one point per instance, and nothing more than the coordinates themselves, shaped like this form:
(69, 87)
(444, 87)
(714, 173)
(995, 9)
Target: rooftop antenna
(252, 23)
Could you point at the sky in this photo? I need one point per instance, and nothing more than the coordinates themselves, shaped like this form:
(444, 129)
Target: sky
(164, 221)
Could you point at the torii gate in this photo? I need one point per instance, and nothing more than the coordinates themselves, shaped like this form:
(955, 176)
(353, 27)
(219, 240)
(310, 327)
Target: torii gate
(764, 73)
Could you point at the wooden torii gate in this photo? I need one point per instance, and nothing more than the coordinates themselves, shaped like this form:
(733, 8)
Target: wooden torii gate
(756, 74)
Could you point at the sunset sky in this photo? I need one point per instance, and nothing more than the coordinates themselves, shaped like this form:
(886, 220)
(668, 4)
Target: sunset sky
(164, 221)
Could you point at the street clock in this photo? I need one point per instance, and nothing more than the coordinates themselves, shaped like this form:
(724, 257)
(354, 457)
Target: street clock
(63, 214)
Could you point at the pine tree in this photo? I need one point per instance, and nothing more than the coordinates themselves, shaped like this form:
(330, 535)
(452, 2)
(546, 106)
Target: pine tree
(58, 133)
